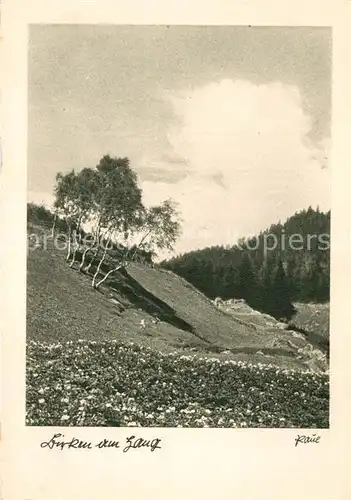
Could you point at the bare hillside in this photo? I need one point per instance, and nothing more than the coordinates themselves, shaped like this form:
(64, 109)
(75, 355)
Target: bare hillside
(312, 318)
(149, 306)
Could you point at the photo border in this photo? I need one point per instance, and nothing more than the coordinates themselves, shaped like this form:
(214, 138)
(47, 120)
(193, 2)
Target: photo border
(193, 463)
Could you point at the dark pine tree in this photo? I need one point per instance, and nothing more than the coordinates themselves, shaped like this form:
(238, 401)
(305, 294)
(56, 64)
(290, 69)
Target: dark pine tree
(266, 282)
(232, 271)
(281, 300)
(230, 283)
(248, 282)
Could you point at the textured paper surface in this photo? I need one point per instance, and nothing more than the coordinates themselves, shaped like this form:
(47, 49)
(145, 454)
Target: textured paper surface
(193, 463)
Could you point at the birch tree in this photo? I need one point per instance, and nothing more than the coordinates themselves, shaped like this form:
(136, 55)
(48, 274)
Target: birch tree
(85, 185)
(108, 197)
(118, 204)
(158, 227)
(66, 203)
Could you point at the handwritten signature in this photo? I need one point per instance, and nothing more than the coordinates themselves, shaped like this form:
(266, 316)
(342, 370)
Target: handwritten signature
(307, 439)
(132, 442)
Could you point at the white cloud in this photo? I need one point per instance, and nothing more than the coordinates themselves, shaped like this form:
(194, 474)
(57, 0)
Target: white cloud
(244, 160)
(254, 138)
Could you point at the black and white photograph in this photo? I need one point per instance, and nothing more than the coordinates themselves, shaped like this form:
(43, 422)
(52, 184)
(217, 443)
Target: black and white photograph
(178, 226)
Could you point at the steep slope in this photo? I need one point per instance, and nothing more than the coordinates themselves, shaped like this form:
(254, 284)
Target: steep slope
(61, 305)
(312, 319)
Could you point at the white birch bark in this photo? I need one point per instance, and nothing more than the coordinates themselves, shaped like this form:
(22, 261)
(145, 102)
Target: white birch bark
(90, 249)
(76, 241)
(100, 264)
(109, 274)
(69, 241)
(53, 226)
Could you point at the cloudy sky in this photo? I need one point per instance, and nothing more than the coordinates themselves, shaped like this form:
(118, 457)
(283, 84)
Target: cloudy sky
(231, 122)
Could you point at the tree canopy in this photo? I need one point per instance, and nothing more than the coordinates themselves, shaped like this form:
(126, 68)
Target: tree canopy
(268, 280)
(107, 198)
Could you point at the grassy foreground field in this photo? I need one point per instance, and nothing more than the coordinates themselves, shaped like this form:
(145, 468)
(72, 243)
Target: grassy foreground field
(107, 383)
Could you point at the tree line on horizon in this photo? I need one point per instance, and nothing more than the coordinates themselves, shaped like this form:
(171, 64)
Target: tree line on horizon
(269, 280)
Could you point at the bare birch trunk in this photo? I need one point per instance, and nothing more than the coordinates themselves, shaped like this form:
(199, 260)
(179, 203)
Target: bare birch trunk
(100, 264)
(73, 257)
(53, 226)
(76, 247)
(69, 242)
(109, 274)
(119, 266)
(90, 249)
(77, 240)
(85, 253)
(87, 269)
(68, 248)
